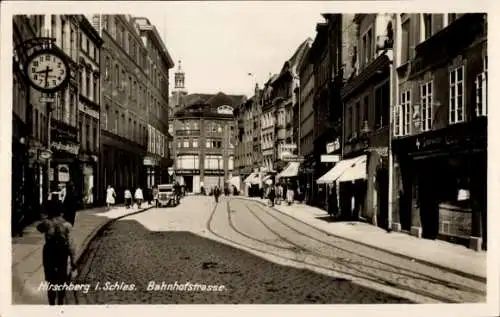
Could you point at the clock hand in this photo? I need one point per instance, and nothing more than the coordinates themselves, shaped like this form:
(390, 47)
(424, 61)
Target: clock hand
(47, 69)
(43, 71)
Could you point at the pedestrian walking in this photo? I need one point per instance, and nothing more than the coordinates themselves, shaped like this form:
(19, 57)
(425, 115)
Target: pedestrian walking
(57, 250)
(271, 195)
(216, 193)
(128, 198)
(70, 203)
(332, 202)
(155, 195)
(110, 196)
(289, 195)
(279, 193)
(138, 197)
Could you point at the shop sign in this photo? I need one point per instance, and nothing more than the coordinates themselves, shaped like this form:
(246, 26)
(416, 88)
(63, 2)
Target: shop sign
(61, 131)
(63, 173)
(70, 148)
(333, 146)
(187, 172)
(149, 161)
(86, 109)
(294, 158)
(330, 158)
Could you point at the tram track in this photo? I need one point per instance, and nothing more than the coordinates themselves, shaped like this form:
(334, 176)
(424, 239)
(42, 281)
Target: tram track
(422, 276)
(306, 263)
(349, 266)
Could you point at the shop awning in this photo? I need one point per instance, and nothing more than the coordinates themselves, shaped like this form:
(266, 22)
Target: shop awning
(291, 170)
(354, 172)
(252, 179)
(267, 180)
(356, 168)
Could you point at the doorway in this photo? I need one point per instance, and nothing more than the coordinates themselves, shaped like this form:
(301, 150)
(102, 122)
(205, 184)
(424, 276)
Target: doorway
(383, 201)
(188, 181)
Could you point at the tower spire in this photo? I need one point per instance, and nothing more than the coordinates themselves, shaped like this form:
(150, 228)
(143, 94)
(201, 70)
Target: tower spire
(179, 77)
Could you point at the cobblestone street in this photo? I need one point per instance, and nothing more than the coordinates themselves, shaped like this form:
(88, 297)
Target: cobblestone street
(258, 255)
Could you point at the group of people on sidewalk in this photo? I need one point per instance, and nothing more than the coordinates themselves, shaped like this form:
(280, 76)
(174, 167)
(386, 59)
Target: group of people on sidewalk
(280, 192)
(137, 199)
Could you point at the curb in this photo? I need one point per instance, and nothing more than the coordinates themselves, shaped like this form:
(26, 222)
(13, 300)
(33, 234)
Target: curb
(442, 267)
(96, 230)
(22, 290)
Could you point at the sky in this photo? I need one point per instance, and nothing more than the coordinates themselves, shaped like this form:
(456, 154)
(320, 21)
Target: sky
(220, 43)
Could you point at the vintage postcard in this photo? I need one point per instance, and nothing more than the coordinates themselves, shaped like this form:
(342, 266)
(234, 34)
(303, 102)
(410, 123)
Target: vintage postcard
(322, 154)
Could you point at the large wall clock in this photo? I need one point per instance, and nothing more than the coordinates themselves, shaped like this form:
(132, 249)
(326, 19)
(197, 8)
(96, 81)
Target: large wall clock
(48, 71)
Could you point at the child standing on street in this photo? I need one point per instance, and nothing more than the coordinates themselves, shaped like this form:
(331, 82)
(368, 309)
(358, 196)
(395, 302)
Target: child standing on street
(57, 250)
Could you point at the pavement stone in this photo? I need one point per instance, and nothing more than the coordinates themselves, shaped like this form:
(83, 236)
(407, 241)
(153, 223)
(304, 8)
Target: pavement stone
(440, 253)
(27, 269)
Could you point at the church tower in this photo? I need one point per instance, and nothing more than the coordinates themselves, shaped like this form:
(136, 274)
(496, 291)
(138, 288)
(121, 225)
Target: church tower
(179, 91)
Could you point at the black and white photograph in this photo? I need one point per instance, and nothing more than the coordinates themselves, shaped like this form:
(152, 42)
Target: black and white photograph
(252, 153)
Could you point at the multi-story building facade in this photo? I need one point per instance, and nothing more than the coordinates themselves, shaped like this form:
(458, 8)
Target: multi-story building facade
(366, 99)
(320, 58)
(29, 131)
(159, 62)
(243, 160)
(330, 56)
(31, 177)
(284, 99)
(305, 120)
(203, 133)
(125, 102)
(256, 132)
(268, 123)
(65, 145)
(89, 100)
(440, 120)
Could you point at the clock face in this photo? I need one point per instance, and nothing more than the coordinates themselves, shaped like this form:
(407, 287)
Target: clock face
(47, 71)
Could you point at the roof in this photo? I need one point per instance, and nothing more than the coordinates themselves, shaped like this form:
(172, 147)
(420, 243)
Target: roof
(291, 64)
(212, 100)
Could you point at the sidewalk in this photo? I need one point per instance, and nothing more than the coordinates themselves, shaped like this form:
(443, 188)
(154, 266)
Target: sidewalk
(27, 269)
(435, 252)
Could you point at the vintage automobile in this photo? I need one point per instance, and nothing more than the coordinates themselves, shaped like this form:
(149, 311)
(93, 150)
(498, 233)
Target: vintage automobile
(167, 195)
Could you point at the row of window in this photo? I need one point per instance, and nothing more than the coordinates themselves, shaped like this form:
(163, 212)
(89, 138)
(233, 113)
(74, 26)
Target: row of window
(113, 25)
(89, 48)
(89, 133)
(134, 89)
(65, 107)
(357, 114)
(268, 137)
(267, 120)
(211, 162)
(89, 84)
(429, 28)
(136, 50)
(157, 142)
(66, 35)
(131, 129)
(404, 114)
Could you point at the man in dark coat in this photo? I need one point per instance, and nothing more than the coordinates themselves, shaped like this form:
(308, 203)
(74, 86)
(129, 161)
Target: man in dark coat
(70, 203)
(217, 193)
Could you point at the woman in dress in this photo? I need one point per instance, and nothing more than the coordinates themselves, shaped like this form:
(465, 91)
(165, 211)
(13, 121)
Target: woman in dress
(110, 196)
